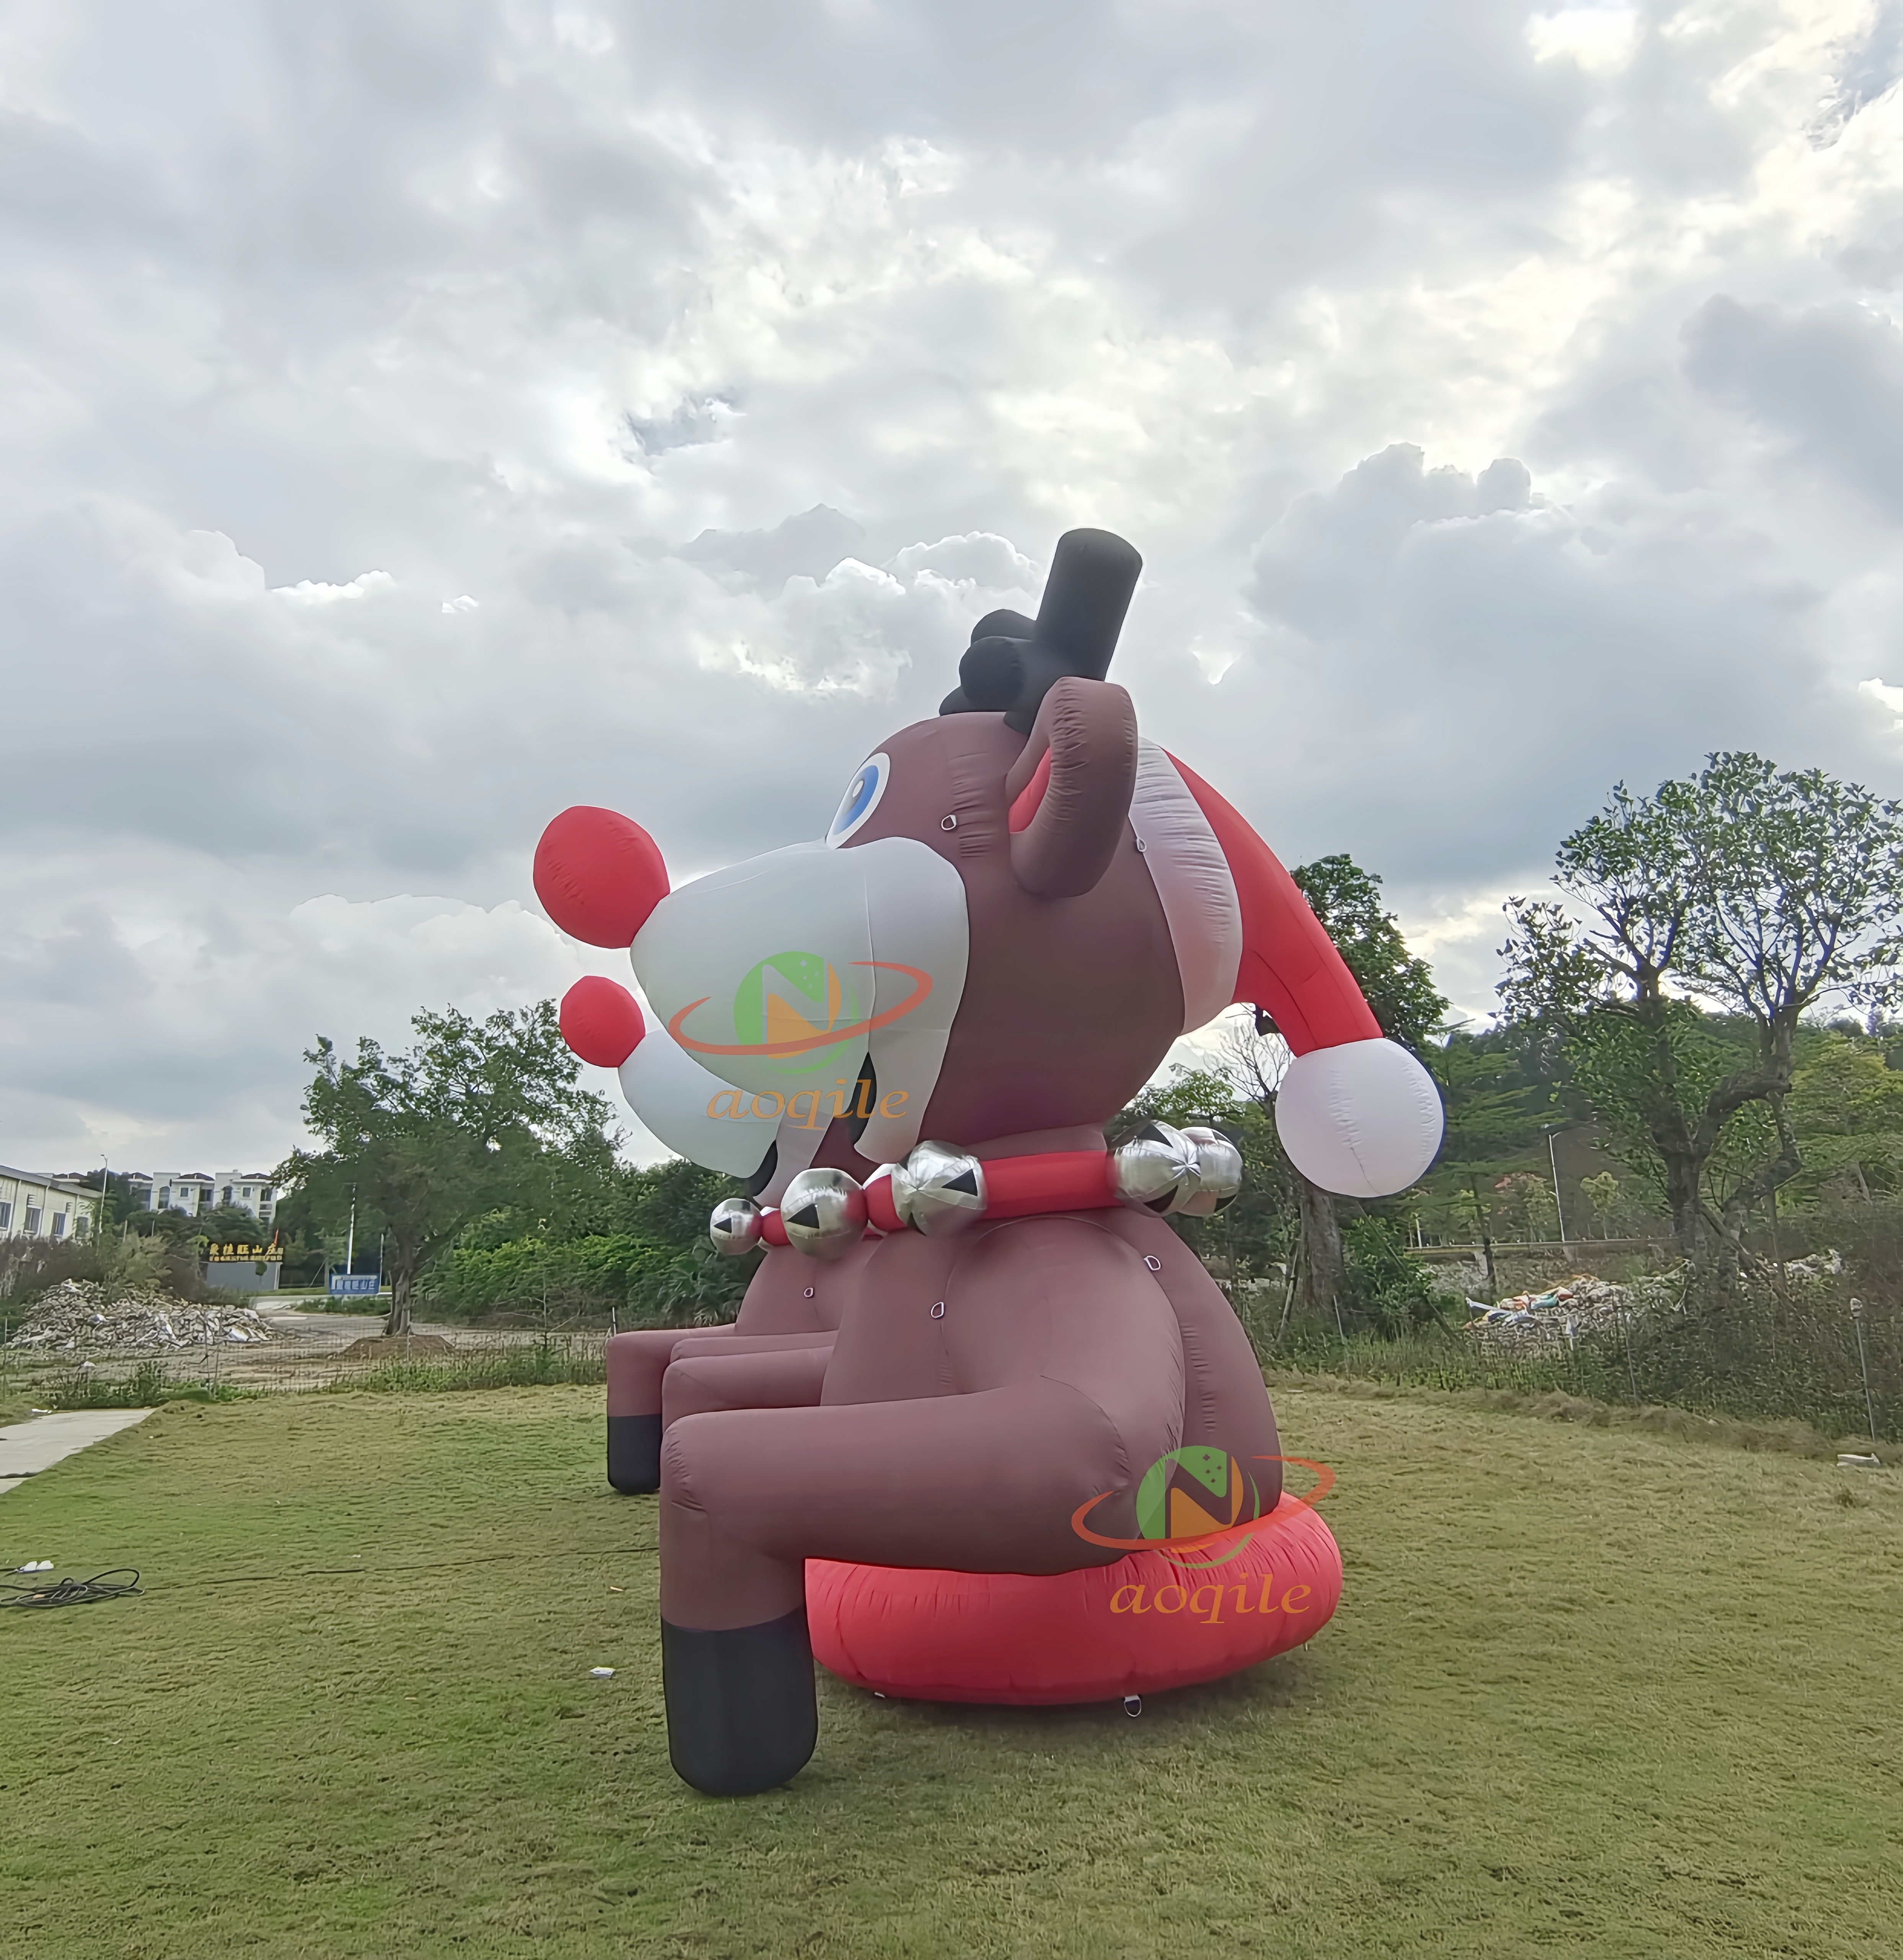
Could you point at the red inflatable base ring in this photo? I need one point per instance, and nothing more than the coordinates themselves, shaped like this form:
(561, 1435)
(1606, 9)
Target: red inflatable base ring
(1094, 1635)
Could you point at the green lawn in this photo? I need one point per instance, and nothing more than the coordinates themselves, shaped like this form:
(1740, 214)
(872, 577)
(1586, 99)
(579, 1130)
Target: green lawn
(1588, 1692)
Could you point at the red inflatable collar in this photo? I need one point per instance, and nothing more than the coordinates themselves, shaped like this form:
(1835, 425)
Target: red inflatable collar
(1046, 1181)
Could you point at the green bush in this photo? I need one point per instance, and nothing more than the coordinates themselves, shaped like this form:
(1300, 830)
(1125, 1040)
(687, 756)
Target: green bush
(30, 1268)
(593, 1275)
(1395, 1291)
(538, 1365)
(699, 1287)
(1436, 1358)
(146, 1387)
(1753, 1356)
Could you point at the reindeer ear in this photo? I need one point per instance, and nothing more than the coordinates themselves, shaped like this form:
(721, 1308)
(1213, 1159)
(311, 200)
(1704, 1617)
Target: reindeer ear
(1082, 751)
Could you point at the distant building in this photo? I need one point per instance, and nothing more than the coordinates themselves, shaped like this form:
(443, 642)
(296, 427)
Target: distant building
(186, 1191)
(33, 1206)
(248, 1191)
(192, 1192)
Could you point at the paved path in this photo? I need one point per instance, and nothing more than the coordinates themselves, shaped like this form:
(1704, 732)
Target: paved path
(300, 1323)
(26, 1448)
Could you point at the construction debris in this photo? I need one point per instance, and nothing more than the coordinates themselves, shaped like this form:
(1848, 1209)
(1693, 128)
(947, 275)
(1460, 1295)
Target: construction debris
(134, 1319)
(1583, 1305)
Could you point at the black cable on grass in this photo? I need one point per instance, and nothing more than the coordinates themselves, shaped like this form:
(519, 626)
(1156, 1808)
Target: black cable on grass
(73, 1592)
(433, 1565)
(83, 1592)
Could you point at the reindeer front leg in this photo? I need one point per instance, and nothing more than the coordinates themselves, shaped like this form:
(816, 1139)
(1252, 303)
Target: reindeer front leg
(984, 1480)
(636, 1362)
(981, 1482)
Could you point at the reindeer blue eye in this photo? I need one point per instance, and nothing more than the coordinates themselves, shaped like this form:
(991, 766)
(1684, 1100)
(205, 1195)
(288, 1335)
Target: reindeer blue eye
(861, 798)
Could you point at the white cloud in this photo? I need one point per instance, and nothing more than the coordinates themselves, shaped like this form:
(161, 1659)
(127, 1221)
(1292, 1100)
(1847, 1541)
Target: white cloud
(736, 391)
(314, 592)
(978, 558)
(1596, 37)
(1891, 698)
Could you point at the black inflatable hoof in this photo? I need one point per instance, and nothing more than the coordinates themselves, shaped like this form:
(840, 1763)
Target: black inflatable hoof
(742, 1713)
(634, 1453)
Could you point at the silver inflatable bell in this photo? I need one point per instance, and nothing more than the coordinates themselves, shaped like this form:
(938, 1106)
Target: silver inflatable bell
(1155, 1170)
(823, 1212)
(735, 1226)
(939, 1190)
(1219, 1171)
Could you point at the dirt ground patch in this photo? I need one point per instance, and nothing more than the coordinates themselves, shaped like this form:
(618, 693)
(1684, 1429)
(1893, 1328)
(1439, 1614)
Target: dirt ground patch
(396, 1347)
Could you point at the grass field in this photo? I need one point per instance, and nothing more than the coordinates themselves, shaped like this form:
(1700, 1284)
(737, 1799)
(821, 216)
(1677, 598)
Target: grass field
(1589, 1692)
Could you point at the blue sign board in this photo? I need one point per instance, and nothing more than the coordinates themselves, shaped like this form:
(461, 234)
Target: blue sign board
(344, 1284)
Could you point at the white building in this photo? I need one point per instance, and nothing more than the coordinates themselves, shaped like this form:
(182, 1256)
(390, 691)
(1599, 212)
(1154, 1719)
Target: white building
(248, 1190)
(186, 1191)
(192, 1192)
(32, 1207)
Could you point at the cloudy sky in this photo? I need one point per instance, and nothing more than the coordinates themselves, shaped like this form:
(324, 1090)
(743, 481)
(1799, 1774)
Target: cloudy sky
(422, 414)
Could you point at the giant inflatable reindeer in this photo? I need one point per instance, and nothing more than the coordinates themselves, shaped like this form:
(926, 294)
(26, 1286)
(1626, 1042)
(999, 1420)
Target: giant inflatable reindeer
(973, 1345)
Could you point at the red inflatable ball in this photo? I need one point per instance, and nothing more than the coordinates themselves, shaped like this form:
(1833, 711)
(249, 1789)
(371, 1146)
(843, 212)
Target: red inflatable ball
(601, 1022)
(598, 875)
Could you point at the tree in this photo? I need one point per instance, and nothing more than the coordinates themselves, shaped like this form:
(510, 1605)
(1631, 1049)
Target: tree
(1257, 1057)
(1393, 1289)
(478, 1116)
(611, 1239)
(1846, 1107)
(219, 1222)
(1528, 1200)
(121, 1200)
(1500, 1088)
(1694, 929)
(1603, 1195)
(1397, 984)
(670, 1202)
(1398, 987)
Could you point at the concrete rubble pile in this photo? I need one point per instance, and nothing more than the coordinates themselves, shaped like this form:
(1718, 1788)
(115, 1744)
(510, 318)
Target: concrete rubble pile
(1583, 1305)
(134, 1320)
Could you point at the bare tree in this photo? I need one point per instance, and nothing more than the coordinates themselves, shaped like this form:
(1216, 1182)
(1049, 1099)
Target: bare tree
(1255, 1058)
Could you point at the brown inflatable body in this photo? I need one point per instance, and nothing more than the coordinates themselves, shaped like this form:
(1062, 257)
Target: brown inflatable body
(950, 1402)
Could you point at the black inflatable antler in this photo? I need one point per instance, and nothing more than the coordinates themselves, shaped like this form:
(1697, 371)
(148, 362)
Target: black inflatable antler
(1013, 661)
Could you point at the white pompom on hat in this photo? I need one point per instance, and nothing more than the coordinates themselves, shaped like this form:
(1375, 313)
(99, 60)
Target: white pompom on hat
(1363, 1119)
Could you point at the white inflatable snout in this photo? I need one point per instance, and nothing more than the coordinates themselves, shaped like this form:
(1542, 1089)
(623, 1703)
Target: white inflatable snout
(780, 976)
(676, 1097)
(1363, 1119)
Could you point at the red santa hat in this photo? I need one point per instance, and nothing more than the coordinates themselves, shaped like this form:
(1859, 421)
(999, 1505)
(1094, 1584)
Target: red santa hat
(1356, 1113)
